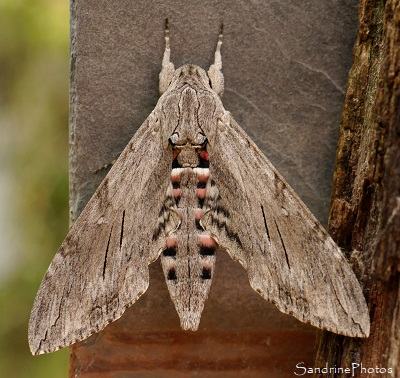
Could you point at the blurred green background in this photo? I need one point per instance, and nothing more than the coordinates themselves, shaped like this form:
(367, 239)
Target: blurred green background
(34, 72)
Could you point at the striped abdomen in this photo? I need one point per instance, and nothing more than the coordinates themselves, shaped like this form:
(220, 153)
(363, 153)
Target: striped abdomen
(189, 257)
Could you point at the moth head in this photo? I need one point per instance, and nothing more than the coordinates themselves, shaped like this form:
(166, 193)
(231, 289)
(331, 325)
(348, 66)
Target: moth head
(170, 78)
(192, 76)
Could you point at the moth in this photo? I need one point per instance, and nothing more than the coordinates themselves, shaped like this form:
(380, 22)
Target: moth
(189, 181)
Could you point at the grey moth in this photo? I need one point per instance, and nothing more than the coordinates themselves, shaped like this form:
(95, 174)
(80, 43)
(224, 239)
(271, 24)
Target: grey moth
(189, 181)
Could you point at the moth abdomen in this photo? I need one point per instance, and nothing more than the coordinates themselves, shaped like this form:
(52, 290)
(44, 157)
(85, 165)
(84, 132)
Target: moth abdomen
(188, 259)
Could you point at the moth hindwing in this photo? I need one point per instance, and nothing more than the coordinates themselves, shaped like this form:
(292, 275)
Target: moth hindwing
(189, 181)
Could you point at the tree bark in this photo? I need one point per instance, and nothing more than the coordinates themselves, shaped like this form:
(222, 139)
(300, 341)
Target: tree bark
(365, 207)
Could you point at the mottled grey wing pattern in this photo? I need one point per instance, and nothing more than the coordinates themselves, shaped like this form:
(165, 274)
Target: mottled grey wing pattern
(291, 260)
(102, 266)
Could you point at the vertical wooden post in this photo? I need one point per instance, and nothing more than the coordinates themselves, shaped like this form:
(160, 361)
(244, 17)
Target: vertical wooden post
(365, 210)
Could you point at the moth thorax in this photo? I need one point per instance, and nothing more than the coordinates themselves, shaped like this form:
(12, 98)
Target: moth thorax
(188, 157)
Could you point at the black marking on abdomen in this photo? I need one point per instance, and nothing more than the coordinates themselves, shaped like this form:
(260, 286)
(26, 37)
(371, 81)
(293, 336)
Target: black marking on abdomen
(171, 274)
(283, 245)
(265, 223)
(171, 251)
(206, 274)
(175, 163)
(207, 251)
(200, 202)
(203, 163)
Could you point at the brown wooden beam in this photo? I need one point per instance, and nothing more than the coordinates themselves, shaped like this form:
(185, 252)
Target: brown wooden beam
(365, 209)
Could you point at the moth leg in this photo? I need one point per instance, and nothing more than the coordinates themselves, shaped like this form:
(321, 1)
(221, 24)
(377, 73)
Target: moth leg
(215, 70)
(168, 69)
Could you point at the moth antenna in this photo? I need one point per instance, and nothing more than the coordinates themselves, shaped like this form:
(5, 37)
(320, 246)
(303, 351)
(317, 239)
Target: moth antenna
(168, 69)
(215, 71)
(167, 45)
(218, 57)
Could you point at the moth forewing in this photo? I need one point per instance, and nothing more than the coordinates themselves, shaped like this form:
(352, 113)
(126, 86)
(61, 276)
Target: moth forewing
(191, 180)
(291, 259)
(102, 266)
